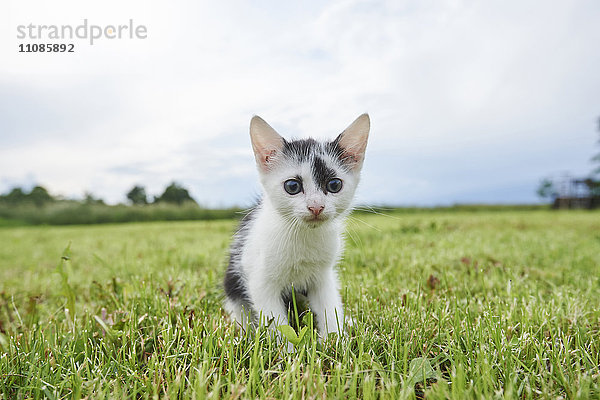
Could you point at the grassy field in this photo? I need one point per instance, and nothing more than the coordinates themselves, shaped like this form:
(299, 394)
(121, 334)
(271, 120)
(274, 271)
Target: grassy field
(447, 304)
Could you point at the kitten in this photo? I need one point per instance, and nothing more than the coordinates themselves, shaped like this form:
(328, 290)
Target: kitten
(294, 235)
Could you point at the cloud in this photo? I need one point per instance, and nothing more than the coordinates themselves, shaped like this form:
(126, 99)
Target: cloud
(464, 97)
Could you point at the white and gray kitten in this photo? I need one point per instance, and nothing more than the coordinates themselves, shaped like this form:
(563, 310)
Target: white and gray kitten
(293, 237)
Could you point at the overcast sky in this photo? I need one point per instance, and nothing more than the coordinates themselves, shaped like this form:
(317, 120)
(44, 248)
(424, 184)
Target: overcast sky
(469, 101)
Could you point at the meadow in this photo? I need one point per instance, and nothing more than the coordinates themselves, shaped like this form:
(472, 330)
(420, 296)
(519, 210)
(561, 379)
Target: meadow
(447, 304)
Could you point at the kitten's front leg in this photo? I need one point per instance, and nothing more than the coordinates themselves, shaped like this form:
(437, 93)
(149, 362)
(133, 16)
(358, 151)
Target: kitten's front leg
(325, 301)
(269, 306)
(271, 309)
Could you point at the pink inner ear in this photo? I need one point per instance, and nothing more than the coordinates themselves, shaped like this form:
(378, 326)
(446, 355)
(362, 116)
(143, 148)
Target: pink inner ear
(270, 155)
(350, 157)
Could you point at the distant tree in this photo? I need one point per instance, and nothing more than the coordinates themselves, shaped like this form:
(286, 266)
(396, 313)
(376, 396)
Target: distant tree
(137, 195)
(174, 193)
(546, 189)
(15, 196)
(39, 196)
(88, 198)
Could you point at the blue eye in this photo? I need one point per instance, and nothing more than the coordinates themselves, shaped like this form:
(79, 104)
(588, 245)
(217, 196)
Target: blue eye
(292, 186)
(334, 185)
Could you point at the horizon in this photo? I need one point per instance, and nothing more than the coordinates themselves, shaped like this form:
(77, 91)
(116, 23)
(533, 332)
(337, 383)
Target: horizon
(151, 197)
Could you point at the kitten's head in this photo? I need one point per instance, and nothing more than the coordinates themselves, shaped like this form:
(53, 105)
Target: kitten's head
(309, 181)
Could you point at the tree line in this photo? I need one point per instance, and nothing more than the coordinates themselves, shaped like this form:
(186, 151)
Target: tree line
(174, 193)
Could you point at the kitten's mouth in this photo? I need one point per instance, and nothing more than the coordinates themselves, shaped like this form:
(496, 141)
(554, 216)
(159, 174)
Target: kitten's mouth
(315, 219)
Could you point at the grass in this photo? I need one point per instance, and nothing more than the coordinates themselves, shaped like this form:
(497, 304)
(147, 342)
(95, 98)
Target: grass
(447, 305)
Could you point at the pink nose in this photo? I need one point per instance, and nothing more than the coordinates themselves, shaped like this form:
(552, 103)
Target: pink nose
(316, 210)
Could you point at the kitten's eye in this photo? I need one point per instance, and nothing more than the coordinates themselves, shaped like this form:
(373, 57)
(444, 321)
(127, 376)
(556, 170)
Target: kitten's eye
(334, 185)
(292, 186)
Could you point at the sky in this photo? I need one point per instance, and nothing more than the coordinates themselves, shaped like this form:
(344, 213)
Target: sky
(470, 102)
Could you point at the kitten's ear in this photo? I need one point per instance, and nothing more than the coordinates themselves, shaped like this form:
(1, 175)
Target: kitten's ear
(353, 141)
(266, 143)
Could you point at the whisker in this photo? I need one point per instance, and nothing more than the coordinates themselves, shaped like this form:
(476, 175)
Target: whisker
(371, 210)
(354, 236)
(354, 218)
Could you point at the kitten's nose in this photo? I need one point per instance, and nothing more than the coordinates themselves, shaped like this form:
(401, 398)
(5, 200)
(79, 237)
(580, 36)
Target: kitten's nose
(316, 210)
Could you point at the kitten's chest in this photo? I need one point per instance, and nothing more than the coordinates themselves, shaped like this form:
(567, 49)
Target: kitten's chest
(305, 249)
(299, 256)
